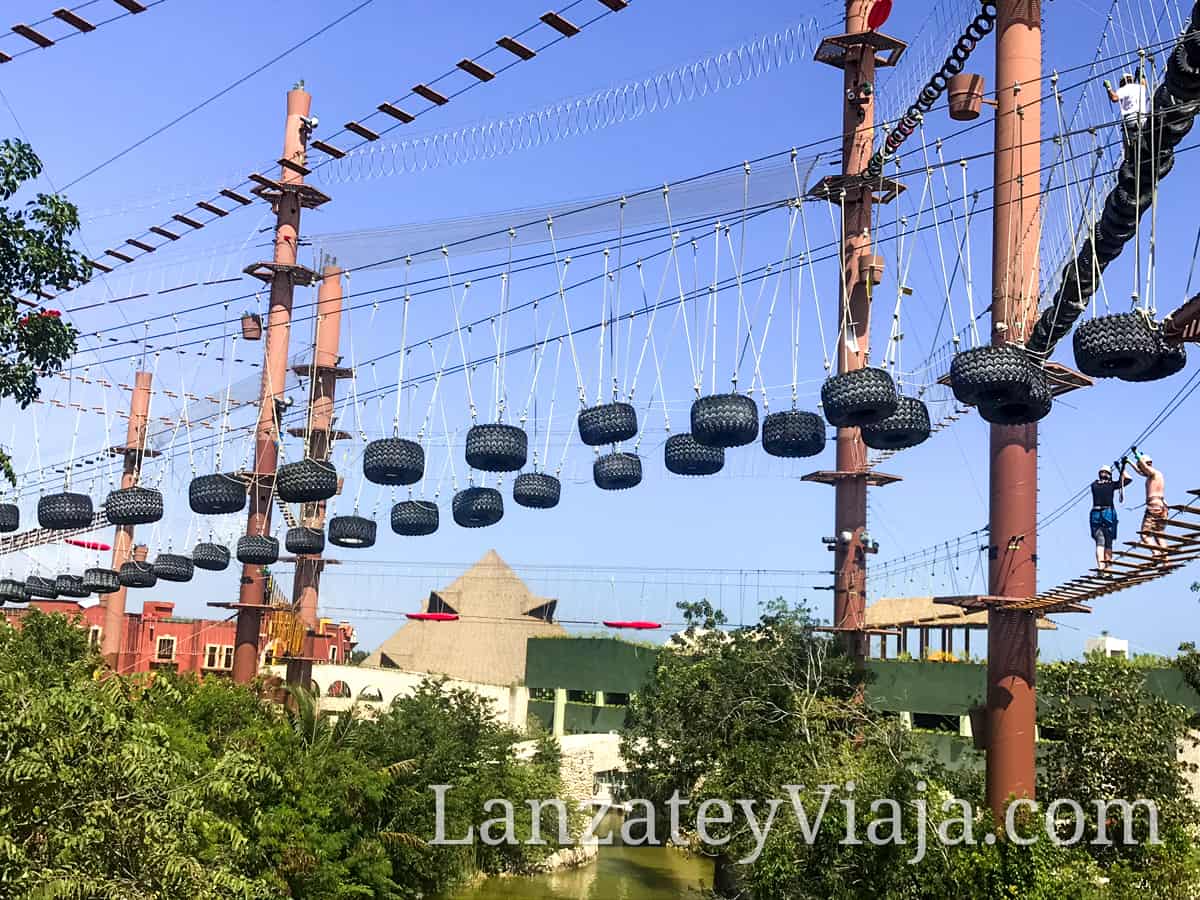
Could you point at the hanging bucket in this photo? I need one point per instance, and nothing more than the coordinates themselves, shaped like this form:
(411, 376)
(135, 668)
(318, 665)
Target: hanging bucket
(251, 326)
(965, 92)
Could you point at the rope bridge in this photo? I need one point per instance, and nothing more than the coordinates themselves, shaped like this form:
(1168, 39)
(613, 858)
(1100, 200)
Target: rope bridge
(1142, 562)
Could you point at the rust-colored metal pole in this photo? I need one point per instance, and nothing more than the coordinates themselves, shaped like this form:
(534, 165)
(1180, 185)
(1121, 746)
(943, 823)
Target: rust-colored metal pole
(252, 597)
(307, 585)
(1012, 636)
(854, 316)
(135, 449)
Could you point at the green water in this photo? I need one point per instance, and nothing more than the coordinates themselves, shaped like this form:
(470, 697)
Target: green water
(618, 873)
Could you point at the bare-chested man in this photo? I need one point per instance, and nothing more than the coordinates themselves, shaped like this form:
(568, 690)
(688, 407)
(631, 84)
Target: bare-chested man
(1154, 519)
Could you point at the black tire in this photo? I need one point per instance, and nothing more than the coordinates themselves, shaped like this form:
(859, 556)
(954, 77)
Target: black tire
(725, 420)
(174, 567)
(136, 574)
(100, 581)
(1171, 360)
(134, 506)
(1120, 345)
(859, 397)
(991, 374)
(393, 461)
(684, 455)
(1033, 407)
(64, 511)
(496, 448)
(304, 540)
(217, 495)
(608, 423)
(355, 532)
(617, 471)
(10, 517)
(306, 481)
(907, 427)
(41, 587)
(70, 586)
(415, 518)
(210, 557)
(257, 550)
(477, 507)
(537, 490)
(793, 434)
(13, 591)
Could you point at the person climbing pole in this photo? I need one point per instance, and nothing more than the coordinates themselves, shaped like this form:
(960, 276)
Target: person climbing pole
(1155, 517)
(1133, 97)
(1103, 519)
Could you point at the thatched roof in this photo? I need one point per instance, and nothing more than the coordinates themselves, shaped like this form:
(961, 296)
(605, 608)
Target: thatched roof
(897, 612)
(499, 613)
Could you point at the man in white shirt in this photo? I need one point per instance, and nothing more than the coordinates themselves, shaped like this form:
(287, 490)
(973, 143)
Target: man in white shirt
(1132, 96)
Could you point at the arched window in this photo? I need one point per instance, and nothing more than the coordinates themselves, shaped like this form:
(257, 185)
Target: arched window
(339, 689)
(371, 694)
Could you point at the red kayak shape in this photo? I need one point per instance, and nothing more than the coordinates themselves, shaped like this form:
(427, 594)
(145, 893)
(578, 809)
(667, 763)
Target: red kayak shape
(87, 545)
(433, 617)
(635, 624)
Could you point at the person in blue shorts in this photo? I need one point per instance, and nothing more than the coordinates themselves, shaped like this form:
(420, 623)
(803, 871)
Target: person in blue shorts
(1103, 518)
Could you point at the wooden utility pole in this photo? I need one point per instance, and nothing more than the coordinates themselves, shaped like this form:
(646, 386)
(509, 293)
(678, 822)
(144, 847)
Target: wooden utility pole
(858, 53)
(288, 195)
(319, 436)
(1012, 571)
(135, 453)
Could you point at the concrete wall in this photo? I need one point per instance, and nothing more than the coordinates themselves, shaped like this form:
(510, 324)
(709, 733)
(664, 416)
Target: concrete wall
(363, 683)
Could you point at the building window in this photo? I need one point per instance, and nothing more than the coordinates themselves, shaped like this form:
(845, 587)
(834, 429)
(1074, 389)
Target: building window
(581, 697)
(218, 656)
(227, 657)
(543, 694)
(211, 655)
(165, 652)
(333, 653)
(94, 635)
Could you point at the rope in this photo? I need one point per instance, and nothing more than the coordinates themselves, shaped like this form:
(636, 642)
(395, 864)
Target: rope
(561, 270)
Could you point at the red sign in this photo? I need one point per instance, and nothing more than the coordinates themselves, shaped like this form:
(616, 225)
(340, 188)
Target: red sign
(879, 14)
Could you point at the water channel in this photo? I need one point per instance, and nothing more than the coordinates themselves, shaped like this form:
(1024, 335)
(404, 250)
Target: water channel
(619, 873)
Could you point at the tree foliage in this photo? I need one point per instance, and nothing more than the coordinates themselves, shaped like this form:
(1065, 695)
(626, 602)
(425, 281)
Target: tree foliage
(35, 254)
(739, 715)
(173, 787)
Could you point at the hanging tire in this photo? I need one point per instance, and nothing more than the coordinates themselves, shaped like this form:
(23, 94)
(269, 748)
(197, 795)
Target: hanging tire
(684, 455)
(70, 586)
(477, 507)
(617, 471)
(174, 567)
(1033, 407)
(793, 433)
(1171, 360)
(1116, 346)
(306, 481)
(210, 557)
(858, 398)
(10, 517)
(257, 550)
(537, 490)
(217, 495)
(496, 448)
(906, 427)
(100, 581)
(134, 506)
(41, 587)
(725, 420)
(415, 518)
(393, 461)
(13, 591)
(135, 574)
(990, 374)
(60, 512)
(304, 540)
(355, 532)
(608, 423)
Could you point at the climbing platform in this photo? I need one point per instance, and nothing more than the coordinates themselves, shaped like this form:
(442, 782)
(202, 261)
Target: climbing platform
(1139, 563)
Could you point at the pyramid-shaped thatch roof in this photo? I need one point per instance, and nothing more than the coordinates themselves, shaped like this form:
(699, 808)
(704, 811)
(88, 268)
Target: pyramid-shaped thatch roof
(487, 644)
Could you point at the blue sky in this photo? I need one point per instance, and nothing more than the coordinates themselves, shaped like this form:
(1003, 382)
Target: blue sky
(91, 96)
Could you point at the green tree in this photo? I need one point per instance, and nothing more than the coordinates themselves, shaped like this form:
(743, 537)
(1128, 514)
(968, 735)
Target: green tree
(35, 254)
